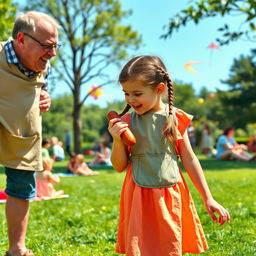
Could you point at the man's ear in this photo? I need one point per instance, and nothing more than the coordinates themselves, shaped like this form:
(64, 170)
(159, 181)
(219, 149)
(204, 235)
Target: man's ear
(20, 38)
(160, 87)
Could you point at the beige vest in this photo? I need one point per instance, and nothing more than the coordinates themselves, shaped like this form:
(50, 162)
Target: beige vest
(153, 157)
(20, 119)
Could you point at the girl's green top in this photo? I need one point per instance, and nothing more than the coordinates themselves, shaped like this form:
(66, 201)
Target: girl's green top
(153, 157)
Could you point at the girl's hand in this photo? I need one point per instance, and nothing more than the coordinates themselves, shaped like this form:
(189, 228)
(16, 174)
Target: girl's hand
(116, 127)
(212, 206)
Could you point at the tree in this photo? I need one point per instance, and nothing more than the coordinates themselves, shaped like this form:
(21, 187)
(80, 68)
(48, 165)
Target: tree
(93, 38)
(59, 118)
(240, 100)
(201, 9)
(7, 15)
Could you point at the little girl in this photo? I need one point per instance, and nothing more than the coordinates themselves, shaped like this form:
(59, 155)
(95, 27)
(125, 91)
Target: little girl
(157, 214)
(45, 179)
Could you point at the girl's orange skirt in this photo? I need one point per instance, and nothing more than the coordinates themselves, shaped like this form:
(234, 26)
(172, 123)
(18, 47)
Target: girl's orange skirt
(158, 221)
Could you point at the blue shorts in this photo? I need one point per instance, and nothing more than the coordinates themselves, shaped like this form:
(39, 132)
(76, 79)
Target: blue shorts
(20, 183)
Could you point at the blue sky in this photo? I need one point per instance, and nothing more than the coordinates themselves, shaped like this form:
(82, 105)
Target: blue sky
(188, 44)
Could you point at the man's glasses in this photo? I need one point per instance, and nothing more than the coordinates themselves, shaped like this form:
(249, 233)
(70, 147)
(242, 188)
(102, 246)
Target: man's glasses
(44, 46)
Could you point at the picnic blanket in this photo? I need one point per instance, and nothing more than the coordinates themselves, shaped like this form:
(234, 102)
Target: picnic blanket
(65, 174)
(3, 197)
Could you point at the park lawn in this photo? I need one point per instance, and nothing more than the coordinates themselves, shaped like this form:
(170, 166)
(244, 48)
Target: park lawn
(85, 224)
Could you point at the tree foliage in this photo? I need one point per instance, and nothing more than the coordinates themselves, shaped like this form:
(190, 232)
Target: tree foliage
(198, 10)
(93, 38)
(218, 111)
(7, 16)
(240, 100)
(58, 118)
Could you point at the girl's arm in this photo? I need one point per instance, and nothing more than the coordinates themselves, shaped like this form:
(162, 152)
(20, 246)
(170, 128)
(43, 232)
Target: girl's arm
(195, 172)
(119, 156)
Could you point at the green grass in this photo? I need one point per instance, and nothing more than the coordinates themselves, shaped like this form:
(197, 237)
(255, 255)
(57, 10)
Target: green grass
(85, 224)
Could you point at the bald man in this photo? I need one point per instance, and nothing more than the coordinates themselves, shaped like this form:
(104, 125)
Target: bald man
(24, 68)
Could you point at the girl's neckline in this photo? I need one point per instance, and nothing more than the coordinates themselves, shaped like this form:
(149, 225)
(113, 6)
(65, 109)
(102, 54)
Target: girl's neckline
(161, 112)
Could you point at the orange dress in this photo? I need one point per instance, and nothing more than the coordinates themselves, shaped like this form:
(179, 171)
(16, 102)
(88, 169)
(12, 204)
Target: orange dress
(159, 221)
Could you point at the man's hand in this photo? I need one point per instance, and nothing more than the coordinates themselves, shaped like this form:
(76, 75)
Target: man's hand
(45, 101)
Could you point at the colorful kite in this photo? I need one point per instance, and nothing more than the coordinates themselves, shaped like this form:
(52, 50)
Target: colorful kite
(189, 68)
(95, 92)
(212, 95)
(213, 46)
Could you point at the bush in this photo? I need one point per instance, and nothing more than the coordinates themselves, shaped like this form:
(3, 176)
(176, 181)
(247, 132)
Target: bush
(251, 129)
(240, 133)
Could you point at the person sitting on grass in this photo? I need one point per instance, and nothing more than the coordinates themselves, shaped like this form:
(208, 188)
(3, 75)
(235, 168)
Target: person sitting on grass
(102, 157)
(58, 151)
(72, 163)
(229, 149)
(81, 167)
(45, 181)
(46, 143)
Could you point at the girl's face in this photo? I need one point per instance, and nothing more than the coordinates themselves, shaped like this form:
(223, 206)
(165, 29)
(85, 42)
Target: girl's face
(143, 98)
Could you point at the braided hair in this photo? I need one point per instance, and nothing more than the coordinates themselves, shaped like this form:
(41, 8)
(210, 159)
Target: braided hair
(152, 71)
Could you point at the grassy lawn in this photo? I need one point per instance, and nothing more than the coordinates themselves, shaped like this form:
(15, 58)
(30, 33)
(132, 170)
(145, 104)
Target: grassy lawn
(85, 224)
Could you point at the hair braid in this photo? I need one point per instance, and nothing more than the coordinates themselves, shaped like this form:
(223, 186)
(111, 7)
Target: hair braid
(169, 83)
(170, 93)
(171, 123)
(125, 110)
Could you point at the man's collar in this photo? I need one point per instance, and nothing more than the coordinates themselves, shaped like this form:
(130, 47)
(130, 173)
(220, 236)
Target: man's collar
(13, 59)
(10, 52)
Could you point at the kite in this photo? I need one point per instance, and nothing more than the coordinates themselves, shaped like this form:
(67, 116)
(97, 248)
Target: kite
(189, 68)
(212, 95)
(95, 92)
(213, 46)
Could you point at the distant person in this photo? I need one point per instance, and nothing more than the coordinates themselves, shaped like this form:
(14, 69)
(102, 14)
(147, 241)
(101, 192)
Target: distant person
(82, 168)
(192, 135)
(72, 163)
(45, 181)
(57, 150)
(68, 142)
(46, 143)
(102, 157)
(96, 147)
(206, 143)
(229, 149)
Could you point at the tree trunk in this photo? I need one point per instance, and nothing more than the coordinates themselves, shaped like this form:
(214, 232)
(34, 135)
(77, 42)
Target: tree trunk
(77, 121)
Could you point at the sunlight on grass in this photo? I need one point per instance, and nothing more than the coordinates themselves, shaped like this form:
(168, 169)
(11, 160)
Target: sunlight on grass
(85, 224)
